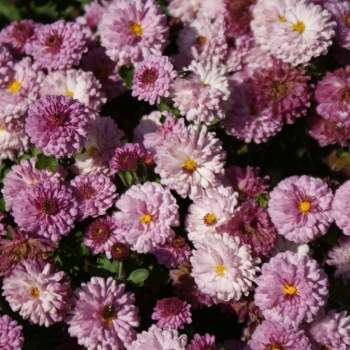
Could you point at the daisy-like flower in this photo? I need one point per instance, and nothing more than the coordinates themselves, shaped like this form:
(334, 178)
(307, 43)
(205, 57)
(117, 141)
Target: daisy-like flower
(184, 10)
(126, 157)
(58, 125)
(47, 209)
(76, 83)
(301, 208)
(253, 226)
(329, 331)
(339, 212)
(103, 316)
(23, 175)
(101, 235)
(118, 251)
(148, 212)
(173, 253)
(273, 335)
(172, 313)
(102, 140)
(94, 193)
(153, 79)
(202, 342)
(207, 213)
(339, 257)
(132, 31)
(223, 268)
(190, 162)
(38, 292)
(11, 334)
(159, 339)
(291, 289)
(205, 95)
(58, 45)
(21, 247)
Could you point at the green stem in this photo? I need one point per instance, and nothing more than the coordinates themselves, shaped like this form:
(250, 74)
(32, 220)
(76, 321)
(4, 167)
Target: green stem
(136, 177)
(123, 180)
(120, 270)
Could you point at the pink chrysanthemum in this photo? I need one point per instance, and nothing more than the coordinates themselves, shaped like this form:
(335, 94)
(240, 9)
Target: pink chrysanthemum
(58, 125)
(339, 257)
(184, 10)
(153, 79)
(132, 31)
(47, 209)
(148, 212)
(301, 208)
(159, 339)
(329, 331)
(76, 83)
(58, 45)
(104, 315)
(173, 253)
(102, 234)
(11, 334)
(126, 157)
(2, 227)
(340, 205)
(38, 292)
(94, 193)
(202, 342)
(102, 140)
(207, 213)
(291, 289)
(273, 335)
(6, 64)
(190, 162)
(223, 268)
(23, 175)
(172, 313)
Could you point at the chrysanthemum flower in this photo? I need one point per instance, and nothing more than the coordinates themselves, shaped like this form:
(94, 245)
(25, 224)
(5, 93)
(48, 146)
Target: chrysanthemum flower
(207, 213)
(58, 125)
(103, 316)
(6, 64)
(273, 335)
(339, 257)
(11, 334)
(159, 339)
(76, 83)
(184, 10)
(23, 175)
(291, 289)
(340, 212)
(301, 208)
(202, 342)
(38, 292)
(329, 331)
(102, 140)
(223, 268)
(126, 157)
(58, 45)
(47, 209)
(190, 162)
(173, 253)
(132, 31)
(94, 193)
(21, 247)
(118, 251)
(172, 313)
(148, 212)
(102, 234)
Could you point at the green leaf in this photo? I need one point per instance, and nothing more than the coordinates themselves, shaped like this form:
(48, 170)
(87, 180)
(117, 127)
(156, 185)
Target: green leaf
(162, 118)
(128, 177)
(52, 165)
(127, 74)
(9, 10)
(36, 151)
(81, 151)
(262, 199)
(109, 265)
(44, 162)
(162, 106)
(138, 276)
(23, 156)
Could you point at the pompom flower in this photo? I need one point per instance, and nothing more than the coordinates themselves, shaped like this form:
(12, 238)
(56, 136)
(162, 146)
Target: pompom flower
(94, 193)
(339, 257)
(126, 157)
(153, 79)
(223, 268)
(172, 313)
(301, 208)
(6, 64)
(58, 45)
(103, 316)
(148, 212)
(38, 292)
(11, 334)
(340, 212)
(159, 339)
(47, 209)
(58, 125)
(202, 342)
(291, 289)
(190, 162)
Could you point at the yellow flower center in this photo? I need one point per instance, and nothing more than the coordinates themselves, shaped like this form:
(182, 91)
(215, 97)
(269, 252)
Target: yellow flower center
(282, 19)
(205, 84)
(210, 219)
(14, 86)
(69, 93)
(108, 315)
(289, 290)
(1, 128)
(146, 219)
(189, 165)
(305, 206)
(299, 27)
(135, 28)
(201, 40)
(247, 229)
(220, 269)
(34, 292)
(33, 182)
(91, 151)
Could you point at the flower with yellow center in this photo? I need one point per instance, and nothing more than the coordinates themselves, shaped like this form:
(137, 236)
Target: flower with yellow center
(34, 292)
(299, 27)
(14, 85)
(136, 28)
(69, 93)
(210, 219)
(189, 166)
(91, 151)
(289, 289)
(146, 219)
(220, 269)
(304, 206)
